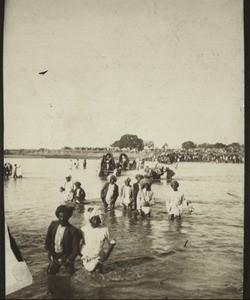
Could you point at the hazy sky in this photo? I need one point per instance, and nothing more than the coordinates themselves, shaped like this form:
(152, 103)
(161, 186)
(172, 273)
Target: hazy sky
(167, 70)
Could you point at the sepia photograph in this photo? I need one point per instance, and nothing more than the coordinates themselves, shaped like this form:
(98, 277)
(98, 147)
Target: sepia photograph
(124, 149)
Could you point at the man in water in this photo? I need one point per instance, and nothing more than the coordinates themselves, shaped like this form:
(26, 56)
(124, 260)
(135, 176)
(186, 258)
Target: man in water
(136, 188)
(110, 192)
(68, 188)
(15, 171)
(94, 236)
(175, 201)
(84, 164)
(145, 199)
(126, 194)
(169, 174)
(6, 171)
(62, 242)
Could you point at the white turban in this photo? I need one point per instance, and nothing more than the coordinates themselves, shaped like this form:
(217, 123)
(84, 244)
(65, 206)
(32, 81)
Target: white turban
(92, 212)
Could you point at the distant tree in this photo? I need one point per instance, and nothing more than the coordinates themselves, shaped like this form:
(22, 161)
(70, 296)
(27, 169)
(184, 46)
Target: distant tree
(130, 141)
(188, 145)
(219, 145)
(235, 146)
(204, 145)
(116, 144)
(67, 148)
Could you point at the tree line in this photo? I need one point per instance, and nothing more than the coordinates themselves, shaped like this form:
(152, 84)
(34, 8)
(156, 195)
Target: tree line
(132, 141)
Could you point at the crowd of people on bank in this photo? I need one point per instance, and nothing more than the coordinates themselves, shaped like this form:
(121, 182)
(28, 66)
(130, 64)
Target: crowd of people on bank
(174, 157)
(64, 242)
(14, 171)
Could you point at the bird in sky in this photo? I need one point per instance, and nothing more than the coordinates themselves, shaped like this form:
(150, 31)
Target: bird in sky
(44, 72)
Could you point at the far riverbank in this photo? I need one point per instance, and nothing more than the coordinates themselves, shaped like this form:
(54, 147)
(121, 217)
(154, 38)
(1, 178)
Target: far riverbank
(87, 154)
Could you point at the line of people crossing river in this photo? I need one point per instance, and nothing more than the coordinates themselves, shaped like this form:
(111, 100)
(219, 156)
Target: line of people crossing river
(64, 242)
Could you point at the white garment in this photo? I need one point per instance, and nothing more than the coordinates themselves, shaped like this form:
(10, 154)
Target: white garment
(77, 192)
(58, 238)
(19, 172)
(94, 239)
(174, 202)
(110, 193)
(69, 188)
(126, 194)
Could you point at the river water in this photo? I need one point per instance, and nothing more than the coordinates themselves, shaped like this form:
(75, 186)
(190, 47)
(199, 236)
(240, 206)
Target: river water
(149, 260)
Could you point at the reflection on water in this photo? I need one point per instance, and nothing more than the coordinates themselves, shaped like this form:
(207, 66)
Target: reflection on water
(199, 256)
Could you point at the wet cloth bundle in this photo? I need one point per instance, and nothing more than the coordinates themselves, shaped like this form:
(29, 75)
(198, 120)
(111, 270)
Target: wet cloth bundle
(91, 263)
(146, 209)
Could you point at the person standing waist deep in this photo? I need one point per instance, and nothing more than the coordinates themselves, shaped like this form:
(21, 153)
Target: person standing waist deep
(62, 242)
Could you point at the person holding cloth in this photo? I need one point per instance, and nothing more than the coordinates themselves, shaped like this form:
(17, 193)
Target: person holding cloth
(145, 199)
(94, 236)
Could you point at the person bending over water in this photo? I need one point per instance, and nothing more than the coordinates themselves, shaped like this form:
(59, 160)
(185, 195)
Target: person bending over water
(94, 236)
(175, 201)
(145, 199)
(110, 192)
(62, 242)
(79, 193)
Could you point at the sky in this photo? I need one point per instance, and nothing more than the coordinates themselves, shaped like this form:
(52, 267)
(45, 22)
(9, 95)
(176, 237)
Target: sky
(166, 70)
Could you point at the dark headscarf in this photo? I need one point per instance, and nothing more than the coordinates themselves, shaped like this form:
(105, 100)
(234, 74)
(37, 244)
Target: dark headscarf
(68, 211)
